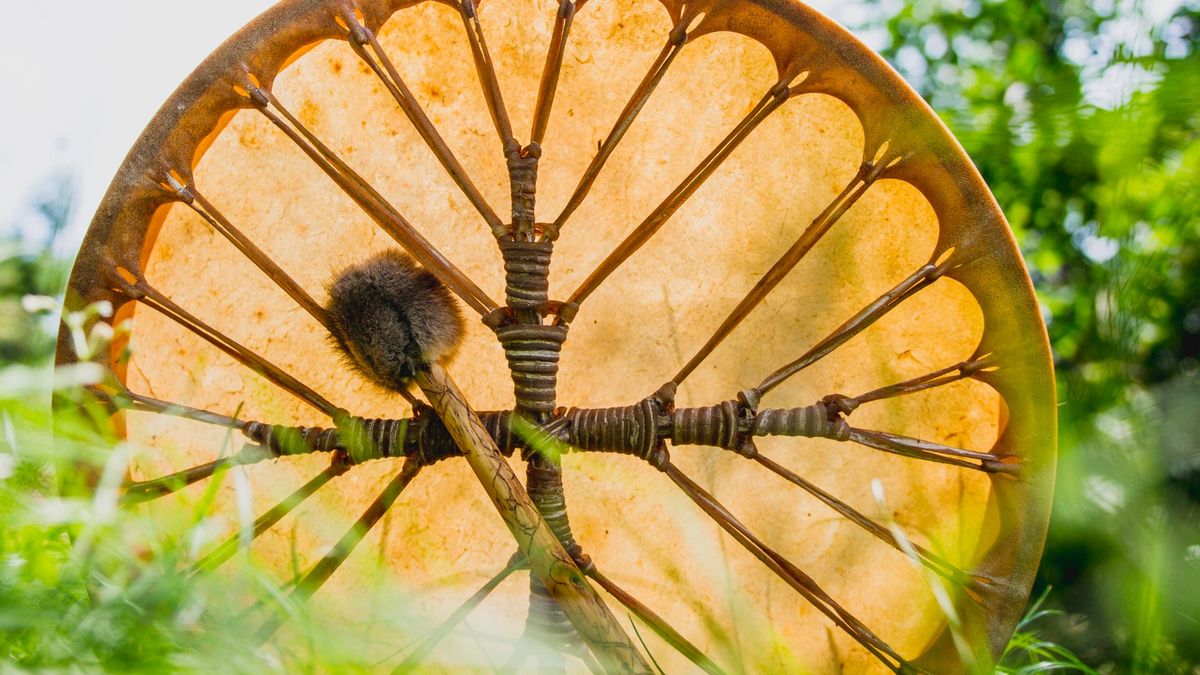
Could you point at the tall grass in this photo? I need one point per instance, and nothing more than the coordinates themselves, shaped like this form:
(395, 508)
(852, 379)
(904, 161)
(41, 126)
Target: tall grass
(88, 585)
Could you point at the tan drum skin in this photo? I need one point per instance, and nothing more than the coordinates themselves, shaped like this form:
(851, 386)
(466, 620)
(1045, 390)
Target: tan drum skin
(442, 539)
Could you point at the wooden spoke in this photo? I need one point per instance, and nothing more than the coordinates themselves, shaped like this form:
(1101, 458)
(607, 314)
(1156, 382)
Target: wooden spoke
(143, 292)
(927, 557)
(868, 315)
(487, 75)
(656, 623)
(770, 102)
(600, 430)
(932, 452)
(267, 520)
(788, 572)
(418, 655)
(363, 439)
(189, 195)
(824, 419)
(624, 121)
(809, 238)
(129, 400)
(937, 378)
(378, 208)
(367, 47)
(144, 491)
(326, 566)
(520, 654)
(550, 73)
(548, 558)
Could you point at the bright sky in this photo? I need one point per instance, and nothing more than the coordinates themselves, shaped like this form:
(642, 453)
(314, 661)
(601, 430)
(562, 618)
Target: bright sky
(79, 91)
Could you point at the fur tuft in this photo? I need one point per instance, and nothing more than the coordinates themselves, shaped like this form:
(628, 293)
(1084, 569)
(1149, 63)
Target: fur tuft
(390, 317)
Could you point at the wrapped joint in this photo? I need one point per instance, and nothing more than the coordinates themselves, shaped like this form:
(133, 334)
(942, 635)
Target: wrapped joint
(843, 404)
(715, 425)
(532, 352)
(732, 425)
(565, 311)
(547, 624)
(630, 430)
(546, 490)
(814, 421)
(282, 440)
(639, 430)
(366, 439)
(359, 34)
(522, 172)
(526, 273)
(432, 442)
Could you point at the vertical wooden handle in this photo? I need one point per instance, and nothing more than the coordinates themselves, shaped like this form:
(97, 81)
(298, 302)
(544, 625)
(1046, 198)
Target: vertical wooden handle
(547, 557)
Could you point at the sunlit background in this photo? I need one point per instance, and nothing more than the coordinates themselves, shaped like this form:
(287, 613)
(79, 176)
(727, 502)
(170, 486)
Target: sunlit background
(81, 83)
(78, 101)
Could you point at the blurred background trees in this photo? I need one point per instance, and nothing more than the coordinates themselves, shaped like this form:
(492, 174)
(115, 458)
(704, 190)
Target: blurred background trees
(29, 266)
(1084, 117)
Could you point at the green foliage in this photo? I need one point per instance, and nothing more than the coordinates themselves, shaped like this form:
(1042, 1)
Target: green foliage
(1027, 653)
(1084, 117)
(83, 583)
(27, 266)
(87, 584)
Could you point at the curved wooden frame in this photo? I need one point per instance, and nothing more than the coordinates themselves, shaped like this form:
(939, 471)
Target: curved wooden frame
(903, 140)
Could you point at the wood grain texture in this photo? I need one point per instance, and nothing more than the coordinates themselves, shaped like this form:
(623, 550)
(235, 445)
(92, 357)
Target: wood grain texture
(547, 557)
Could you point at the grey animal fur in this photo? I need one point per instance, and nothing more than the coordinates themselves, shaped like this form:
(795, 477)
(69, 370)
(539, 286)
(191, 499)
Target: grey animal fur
(389, 316)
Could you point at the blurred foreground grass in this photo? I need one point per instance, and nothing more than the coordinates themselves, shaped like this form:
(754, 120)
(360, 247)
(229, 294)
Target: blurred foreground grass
(86, 584)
